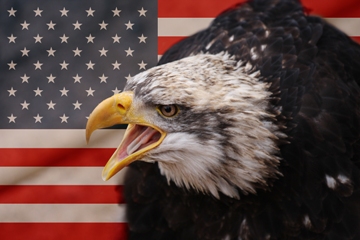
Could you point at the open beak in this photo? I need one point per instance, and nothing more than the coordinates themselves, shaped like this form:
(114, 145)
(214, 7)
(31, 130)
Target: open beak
(139, 138)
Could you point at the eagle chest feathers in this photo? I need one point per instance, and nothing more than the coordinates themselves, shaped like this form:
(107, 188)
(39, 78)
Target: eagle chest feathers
(249, 129)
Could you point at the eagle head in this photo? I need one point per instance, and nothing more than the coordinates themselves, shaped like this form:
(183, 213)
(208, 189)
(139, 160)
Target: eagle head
(206, 119)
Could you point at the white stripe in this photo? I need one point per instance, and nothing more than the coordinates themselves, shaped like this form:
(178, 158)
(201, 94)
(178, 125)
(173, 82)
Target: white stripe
(62, 213)
(181, 27)
(59, 138)
(57, 176)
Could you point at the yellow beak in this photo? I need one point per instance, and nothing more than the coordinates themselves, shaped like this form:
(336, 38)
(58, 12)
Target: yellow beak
(139, 138)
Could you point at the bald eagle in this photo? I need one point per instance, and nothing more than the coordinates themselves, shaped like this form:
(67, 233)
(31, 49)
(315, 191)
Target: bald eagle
(249, 129)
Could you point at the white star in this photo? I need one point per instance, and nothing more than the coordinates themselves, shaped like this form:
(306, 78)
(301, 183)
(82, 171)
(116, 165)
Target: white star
(51, 25)
(142, 12)
(38, 12)
(25, 105)
(64, 12)
(142, 65)
(51, 78)
(129, 52)
(12, 38)
(38, 39)
(77, 25)
(12, 65)
(77, 52)
(51, 52)
(129, 25)
(90, 65)
(116, 91)
(64, 92)
(38, 92)
(103, 25)
(64, 38)
(25, 25)
(142, 38)
(77, 105)
(90, 92)
(51, 105)
(103, 78)
(64, 118)
(38, 118)
(128, 78)
(38, 65)
(25, 79)
(90, 39)
(116, 65)
(24, 52)
(12, 12)
(116, 12)
(12, 92)
(103, 52)
(90, 12)
(64, 65)
(12, 118)
(77, 78)
(116, 38)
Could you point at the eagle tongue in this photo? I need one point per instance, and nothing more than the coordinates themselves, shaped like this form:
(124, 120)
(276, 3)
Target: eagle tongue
(144, 136)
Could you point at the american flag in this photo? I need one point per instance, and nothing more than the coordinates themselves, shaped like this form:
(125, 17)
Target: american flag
(58, 60)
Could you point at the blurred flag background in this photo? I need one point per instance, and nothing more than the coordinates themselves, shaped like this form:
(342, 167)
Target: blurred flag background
(58, 59)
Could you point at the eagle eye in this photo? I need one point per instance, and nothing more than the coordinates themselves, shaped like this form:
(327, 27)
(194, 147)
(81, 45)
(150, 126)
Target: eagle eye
(168, 110)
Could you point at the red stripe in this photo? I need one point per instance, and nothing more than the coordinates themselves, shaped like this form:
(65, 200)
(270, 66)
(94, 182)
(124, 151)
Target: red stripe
(356, 39)
(61, 194)
(61, 231)
(164, 43)
(55, 157)
(206, 8)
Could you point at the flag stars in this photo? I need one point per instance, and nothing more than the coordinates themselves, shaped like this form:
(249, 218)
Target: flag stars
(51, 78)
(116, 91)
(25, 105)
(12, 118)
(51, 52)
(90, 39)
(12, 92)
(90, 65)
(51, 25)
(77, 78)
(25, 52)
(90, 92)
(142, 38)
(64, 65)
(116, 65)
(38, 118)
(38, 39)
(12, 65)
(12, 12)
(116, 12)
(64, 92)
(128, 78)
(116, 38)
(77, 52)
(25, 25)
(64, 38)
(142, 65)
(38, 12)
(38, 65)
(51, 105)
(12, 38)
(129, 25)
(64, 118)
(77, 105)
(38, 92)
(90, 12)
(64, 12)
(142, 12)
(103, 78)
(129, 52)
(103, 52)
(77, 25)
(103, 25)
(25, 79)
